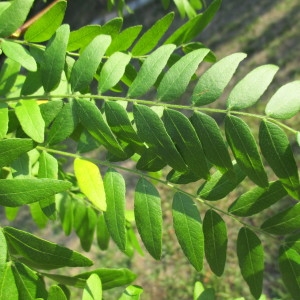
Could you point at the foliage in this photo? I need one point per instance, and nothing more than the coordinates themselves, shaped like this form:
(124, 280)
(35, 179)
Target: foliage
(91, 85)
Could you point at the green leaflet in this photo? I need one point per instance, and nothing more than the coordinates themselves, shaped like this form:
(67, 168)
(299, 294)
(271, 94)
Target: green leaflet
(30, 285)
(212, 141)
(11, 149)
(114, 215)
(132, 292)
(112, 71)
(124, 40)
(293, 241)
(188, 229)
(3, 253)
(245, 151)
(19, 54)
(14, 16)
(285, 103)
(83, 36)
(119, 122)
(31, 120)
(181, 178)
(102, 233)
(54, 58)
(289, 266)
(284, 222)
(152, 36)
(247, 91)
(32, 84)
(64, 206)
(184, 136)
(149, 161)
(62, 126)
(85, 225)
(251, 260)
(8, 75)
(87, 64)
(148, 216)
(3, 120)
(92, 120)
(56, 293)
(48, 168)
(213, 82)
(112, 27)
(50, 110)
(111, 278)
(215, 241)
(8, 288)
(37, 215)
(86, 142)
(257, 199)
(150, 70)
(276, 149)
(90, 182)
(220, 185)
(24, 191)
(21, 167)
(194, 26)
(179, 75)
(93, 288)
(45, 26)
(40, 253)
(151, 130)
(184, 8)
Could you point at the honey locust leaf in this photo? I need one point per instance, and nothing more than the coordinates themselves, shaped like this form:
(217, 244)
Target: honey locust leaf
(3, 120)
(93, 288)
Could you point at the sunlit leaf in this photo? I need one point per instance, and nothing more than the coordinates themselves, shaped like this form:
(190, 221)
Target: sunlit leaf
(215, 241)
(8, 75)
(284, 222)
(188, 229)
(90, 182)
(248, 91)
(152, 36)
(3, 120)
(114, 215)
(54, 58)
(31, 120)
(3, 253)
(150, 70)
(285, 103)
(112, 71)
(179, 75)
(148, 216)
(276, 149)
(220, 185)
(245, 150)
(46, 25)
(251, 260)
(212, 141)
(40, 253)
(93, 288)
(86, 66)
(50, 110)
(213, 82)
(24, 191)
(184, 136)
(19, 54)
(14, 16)
(132, 292)
(152, 131)
(56, 293)
(257, 199)
(289, 266)
(8, 287)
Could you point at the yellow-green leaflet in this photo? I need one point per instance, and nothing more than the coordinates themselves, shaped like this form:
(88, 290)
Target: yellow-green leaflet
(3, 120)
(90, 182)
(56, 293)
(93, 288)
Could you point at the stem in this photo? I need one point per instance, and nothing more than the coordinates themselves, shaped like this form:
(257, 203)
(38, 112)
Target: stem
(173, 187)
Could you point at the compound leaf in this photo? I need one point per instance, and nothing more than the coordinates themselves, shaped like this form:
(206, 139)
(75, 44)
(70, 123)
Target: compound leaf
(188, 229)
